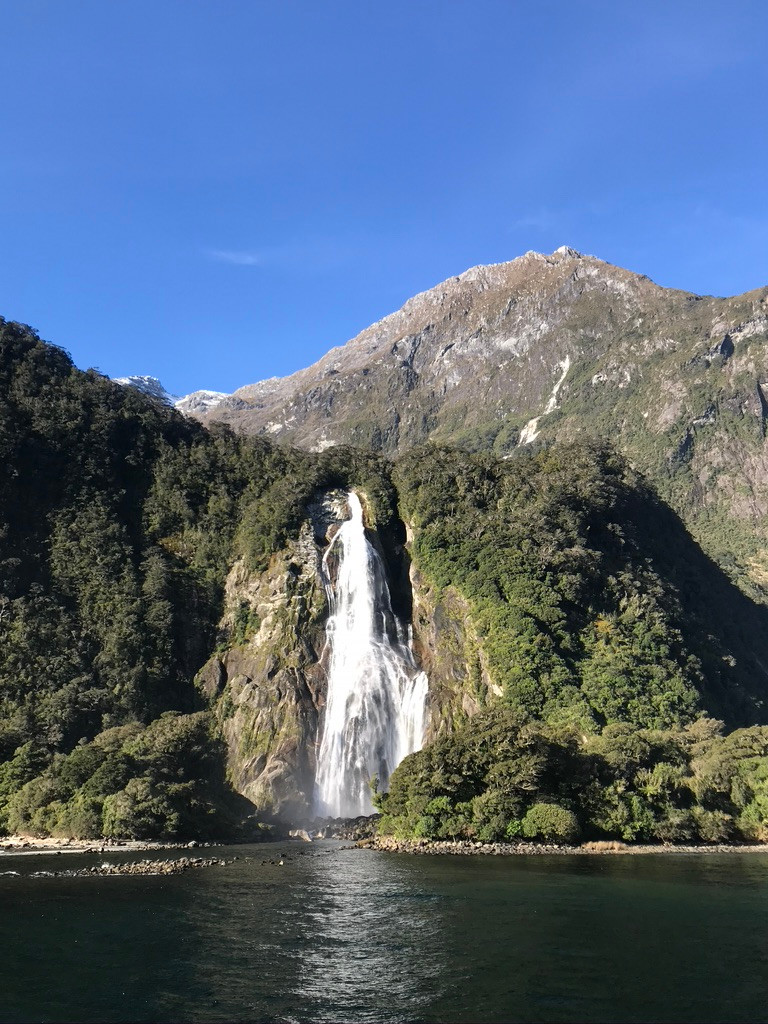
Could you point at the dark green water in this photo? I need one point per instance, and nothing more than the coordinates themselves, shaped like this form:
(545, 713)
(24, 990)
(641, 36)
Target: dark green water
(352, 935)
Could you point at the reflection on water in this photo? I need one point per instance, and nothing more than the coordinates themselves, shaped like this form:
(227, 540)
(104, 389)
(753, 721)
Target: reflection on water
(324, 937)
(349, 935)
(370, 946)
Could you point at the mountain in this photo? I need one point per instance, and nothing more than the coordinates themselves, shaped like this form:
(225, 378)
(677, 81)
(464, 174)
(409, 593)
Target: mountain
(479, 356)
(198, 403)
(150, 386)
(556, 347)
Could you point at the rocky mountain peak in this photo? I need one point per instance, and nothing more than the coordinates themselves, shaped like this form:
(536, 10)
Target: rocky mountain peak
(552, 347)
(198, 403)
(490, 343)
(148, 386)
(566, 250)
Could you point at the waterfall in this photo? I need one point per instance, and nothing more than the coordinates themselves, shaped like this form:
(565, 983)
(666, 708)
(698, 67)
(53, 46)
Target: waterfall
(375, 707)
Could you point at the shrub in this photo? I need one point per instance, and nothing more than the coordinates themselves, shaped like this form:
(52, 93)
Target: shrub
(622, 814)
(677, 826)
(514, 829)
(140, 811)
(80, 818)
(713, 826)
(753, 820)
(551, 823)
(34, 809)
(491, 814)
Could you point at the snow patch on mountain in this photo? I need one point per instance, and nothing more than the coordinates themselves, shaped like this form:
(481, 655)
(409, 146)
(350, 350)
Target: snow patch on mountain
(199, 402)
(196, 403)
(148, 386)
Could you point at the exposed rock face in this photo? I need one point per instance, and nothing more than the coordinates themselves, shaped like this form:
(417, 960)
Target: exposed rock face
(549, 347)
(198, 403)
(269, 684)
(486, 349)
(447, 648)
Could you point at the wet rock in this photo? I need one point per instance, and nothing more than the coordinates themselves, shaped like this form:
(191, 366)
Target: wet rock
(142, 867)
(362, 827)
(300, 833)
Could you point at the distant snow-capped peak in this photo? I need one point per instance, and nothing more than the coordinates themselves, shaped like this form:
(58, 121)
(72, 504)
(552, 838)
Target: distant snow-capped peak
(196, 402)
(149, 386)
(200, 401)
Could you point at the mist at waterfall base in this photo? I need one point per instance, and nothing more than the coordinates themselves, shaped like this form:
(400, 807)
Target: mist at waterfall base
(376, 697)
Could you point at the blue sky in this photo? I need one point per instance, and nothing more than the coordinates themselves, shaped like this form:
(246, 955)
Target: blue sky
(218, 192)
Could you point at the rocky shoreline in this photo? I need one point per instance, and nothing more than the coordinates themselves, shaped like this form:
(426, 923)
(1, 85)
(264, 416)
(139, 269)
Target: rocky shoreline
(140, 867)
(467, 847)
(20, 844)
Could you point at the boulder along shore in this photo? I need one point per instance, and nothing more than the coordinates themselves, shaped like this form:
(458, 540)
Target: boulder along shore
(467, 847)
(21, 844)
(140, 867)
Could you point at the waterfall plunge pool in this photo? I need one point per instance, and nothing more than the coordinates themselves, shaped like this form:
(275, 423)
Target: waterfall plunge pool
(338, 934)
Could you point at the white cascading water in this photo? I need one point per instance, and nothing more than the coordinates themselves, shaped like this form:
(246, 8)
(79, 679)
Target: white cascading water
(375, 708)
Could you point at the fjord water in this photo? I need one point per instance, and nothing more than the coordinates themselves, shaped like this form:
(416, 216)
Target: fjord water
(376, 696)
(355, 935)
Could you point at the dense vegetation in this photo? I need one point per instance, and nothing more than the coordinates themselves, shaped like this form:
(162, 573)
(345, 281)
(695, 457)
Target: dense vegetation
(505, 776)
(118, 522)
(612, 636)
(609, 633)
(592, 603)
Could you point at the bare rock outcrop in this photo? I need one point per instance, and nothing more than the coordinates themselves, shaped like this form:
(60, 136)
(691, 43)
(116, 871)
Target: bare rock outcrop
(269, 684)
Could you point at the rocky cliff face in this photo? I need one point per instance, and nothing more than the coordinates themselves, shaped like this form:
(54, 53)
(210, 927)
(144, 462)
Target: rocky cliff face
(554, 347)
(486, 350)
(447, 647)
(268, 680)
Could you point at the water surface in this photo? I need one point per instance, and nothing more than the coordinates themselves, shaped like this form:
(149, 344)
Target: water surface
(356, 935)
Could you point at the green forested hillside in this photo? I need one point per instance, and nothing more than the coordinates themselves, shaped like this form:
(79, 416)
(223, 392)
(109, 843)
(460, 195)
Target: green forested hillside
(507, 776)
(594, 611)
(612, 636)
(116, 526)
(118, 522)
(593, 603)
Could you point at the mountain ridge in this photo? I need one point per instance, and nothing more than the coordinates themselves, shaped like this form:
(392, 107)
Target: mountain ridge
(548, 347)
(556, 347)
(476, 273)
(247, 407)
(196, 402)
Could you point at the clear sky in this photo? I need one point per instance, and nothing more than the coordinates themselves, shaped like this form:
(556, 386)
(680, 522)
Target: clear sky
(218, 191)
